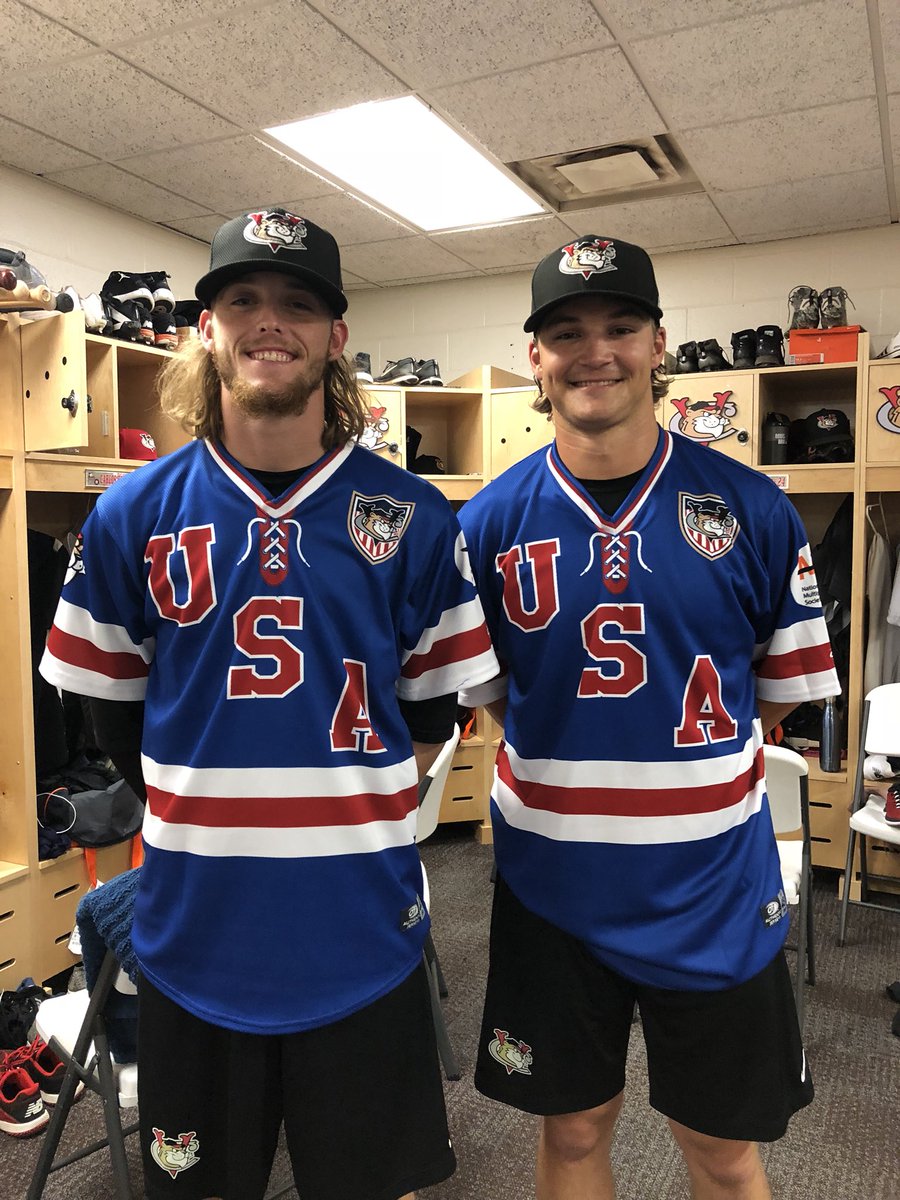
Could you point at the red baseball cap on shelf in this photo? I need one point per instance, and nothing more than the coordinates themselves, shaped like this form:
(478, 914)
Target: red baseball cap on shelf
(136, 443)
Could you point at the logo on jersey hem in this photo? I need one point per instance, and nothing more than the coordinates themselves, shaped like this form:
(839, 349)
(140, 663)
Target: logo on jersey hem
(376, 524)
(511, 1054)
(708, 524)
(174, 1154)
(775, 910)
(413, 915)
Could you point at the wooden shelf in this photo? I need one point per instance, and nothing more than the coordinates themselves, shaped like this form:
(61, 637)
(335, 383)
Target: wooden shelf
(823, 477)
(48, 472)
(10, 871)
(457, 487)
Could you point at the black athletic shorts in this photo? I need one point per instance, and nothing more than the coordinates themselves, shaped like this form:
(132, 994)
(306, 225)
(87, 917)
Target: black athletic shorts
(361, 1100)
(556, 1025)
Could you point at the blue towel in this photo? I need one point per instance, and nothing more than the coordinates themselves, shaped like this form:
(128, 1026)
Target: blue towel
(104, 917)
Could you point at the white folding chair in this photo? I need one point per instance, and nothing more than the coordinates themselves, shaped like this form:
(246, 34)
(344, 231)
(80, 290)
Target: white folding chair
(880, 735)
(431, 791)
(787, 786)
(74, 1026)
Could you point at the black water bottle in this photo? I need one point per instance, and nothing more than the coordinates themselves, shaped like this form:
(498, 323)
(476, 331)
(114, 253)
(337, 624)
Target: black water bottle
(775, 439)
(830, 741)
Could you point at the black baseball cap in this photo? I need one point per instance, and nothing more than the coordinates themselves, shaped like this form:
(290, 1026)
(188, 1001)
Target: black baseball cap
(824, 426)
(275, 240)
(593, 266)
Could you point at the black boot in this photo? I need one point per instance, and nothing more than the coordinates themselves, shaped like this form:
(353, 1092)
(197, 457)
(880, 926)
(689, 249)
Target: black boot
(710, 356)
(769, 346)
(686, 359)
(804, 302)
(833, 307)
(743, 349)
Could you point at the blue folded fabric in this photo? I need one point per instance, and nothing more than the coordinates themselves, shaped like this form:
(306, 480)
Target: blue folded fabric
(104, 917)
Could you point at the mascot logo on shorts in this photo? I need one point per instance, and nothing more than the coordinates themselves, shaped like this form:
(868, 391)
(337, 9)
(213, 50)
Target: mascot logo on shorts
(376, 524)
(174, 1154)
(279, 230)
(513, 1055)
(76, 563)
(708, 524)
(587, 257)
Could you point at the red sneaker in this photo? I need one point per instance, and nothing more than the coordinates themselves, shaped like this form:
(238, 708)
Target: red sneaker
(45, 1068)
(22, 1111)
(892, 805)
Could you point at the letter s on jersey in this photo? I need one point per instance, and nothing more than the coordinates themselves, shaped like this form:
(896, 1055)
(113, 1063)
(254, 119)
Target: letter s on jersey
(286, 612)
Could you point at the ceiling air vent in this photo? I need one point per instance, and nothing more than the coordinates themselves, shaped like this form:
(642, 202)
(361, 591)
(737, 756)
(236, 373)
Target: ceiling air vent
(609, 174)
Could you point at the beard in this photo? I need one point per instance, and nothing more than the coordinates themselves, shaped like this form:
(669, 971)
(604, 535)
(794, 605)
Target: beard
(257, 400)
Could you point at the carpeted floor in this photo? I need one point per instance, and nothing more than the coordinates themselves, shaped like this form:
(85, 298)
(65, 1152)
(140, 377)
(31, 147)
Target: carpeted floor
(843, 1147)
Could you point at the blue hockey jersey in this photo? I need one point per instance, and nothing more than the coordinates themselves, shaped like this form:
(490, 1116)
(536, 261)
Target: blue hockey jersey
(271, 640)
(629, 801)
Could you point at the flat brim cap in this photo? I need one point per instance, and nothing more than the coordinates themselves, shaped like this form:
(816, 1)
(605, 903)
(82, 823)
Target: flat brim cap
(275, 240)
(593, 266)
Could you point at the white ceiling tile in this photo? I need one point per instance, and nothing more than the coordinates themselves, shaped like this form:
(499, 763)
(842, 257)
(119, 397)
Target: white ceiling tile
(108, 23)
(519, 245)
(643, 18)
(835, 139)
(350, 220)
(462, 39)
(35, 42)
(354, 281)
(112, 110)
(587, 100)
(663, 223)
(765, 63)
(810, 206)
(33, 152)
(203, 227)
(118, 189)
(266, 68)
(890, 38)
(402, 259)
(229, 176)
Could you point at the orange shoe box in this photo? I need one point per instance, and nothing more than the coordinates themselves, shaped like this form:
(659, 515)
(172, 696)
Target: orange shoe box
(835, 345)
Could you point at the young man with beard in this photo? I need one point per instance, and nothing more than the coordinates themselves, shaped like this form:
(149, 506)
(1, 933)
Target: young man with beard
(275, 622)
(652, 604)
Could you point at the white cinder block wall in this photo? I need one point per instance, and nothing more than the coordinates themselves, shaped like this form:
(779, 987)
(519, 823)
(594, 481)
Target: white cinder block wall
(466, 322)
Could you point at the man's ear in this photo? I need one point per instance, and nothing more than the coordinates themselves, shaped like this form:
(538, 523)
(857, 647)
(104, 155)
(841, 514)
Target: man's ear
(339, 334)
(205, 327)
(534, 357)
(659, 347)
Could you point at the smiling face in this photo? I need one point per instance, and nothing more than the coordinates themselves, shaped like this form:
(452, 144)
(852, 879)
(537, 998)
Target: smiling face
(593, 357)
(271, 339)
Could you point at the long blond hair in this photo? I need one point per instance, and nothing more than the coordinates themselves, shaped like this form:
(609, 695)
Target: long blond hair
(190, 392)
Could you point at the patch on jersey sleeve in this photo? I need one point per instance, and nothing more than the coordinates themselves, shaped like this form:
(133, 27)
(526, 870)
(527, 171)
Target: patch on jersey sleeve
(708, 524)
(804, 586)
(76, 563)
(377, 523)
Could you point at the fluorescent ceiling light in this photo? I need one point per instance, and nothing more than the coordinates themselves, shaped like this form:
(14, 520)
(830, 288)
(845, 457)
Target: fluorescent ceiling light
(403, 157)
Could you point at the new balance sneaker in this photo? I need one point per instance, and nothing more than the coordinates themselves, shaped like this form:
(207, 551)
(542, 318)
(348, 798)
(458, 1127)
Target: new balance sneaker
(804, 304)
(146, 329)
(686, 359)
(428, 373)
(710, 356)
(22, 1111)
(163, 296)
(125, 285)
(399, 374)
(362, 365)
(44, 1066)
(833, 307)
(892, 805)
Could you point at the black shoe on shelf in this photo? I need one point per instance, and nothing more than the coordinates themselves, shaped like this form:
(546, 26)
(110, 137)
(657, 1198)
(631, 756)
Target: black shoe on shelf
(123, 318)
(686, 359)
(710, 356)
(428, 373)
(190, 310)
(163, 296)
(362, 365)
(743, 349)
(165, 332)
(804, 302)
(125, 285)
(769, 346)
(399, 374)
(833, 307)
(148, 331)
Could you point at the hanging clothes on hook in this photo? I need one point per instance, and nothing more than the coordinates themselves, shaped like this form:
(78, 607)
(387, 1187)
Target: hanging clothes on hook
(879, 572)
